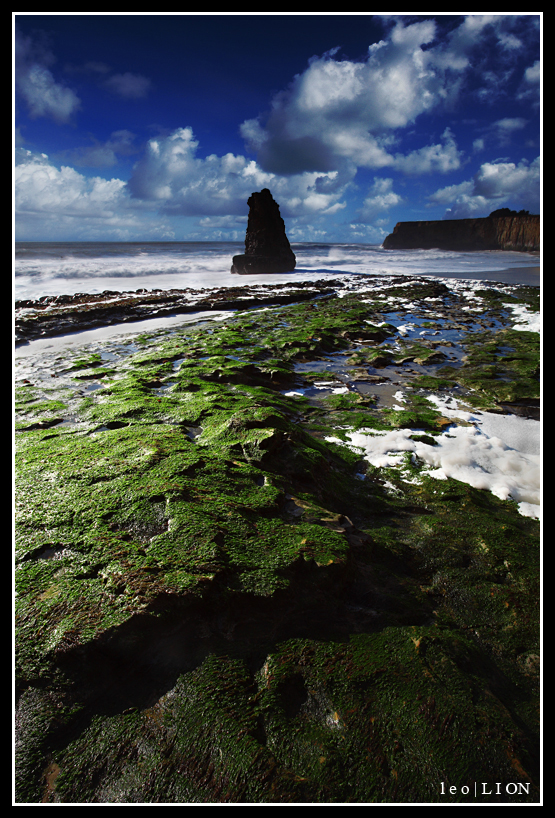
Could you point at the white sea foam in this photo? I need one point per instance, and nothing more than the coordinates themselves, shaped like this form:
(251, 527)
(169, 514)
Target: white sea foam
(524, 319)
(66, 268)
(498, 453)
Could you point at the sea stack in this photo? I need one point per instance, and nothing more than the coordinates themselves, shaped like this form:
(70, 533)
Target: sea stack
(267, 248)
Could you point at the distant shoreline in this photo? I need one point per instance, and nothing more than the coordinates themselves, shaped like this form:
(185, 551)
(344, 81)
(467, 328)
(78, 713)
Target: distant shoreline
(529, 276)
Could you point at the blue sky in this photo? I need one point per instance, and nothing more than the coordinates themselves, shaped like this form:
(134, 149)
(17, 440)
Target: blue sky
(159, 127)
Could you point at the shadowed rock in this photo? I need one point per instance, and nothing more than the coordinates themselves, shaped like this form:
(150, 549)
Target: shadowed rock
(267, 248)
(516, 232)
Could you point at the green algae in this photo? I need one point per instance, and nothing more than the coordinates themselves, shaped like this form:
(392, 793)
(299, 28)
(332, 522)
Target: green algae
(380, 716)
(213, 608)
(502, 367)
(496, 299)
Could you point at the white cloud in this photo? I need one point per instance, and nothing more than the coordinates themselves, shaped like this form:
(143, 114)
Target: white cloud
(40, 187)
(380, 198)
(509, 41)
(35, 83)
(463, 43)
(503, 129)
(170, 174)
(530, 86)
(57, 203)
(440, 158)
(169, 180)
(510, 124)
(500, 132)
(340, 112)
(503, 179)
(451, 193)
(532, 75)
(465, 37)
(494, 185)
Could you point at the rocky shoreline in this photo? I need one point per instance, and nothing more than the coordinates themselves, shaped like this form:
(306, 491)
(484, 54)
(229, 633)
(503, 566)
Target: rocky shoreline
(60, 314)
(220, 600)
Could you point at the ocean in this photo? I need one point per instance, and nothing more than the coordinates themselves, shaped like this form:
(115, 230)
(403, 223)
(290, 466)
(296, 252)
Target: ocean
(65, 268)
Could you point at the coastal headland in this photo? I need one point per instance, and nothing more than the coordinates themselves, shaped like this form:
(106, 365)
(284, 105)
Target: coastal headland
(496, 232)
(228, 593)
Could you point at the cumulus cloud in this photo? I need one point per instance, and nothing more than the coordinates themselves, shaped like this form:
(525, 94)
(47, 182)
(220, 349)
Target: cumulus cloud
(532, 74)
(170, 174)
(338, 112)
(341, 111)
(440, 158)
(60, 201)
(168, 180)
(529, 89)
(41, 187)
(494, 185)
(380, 198)
(35, 83)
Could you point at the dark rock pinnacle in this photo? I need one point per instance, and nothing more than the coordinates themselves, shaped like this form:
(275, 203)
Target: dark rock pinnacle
(267, 248)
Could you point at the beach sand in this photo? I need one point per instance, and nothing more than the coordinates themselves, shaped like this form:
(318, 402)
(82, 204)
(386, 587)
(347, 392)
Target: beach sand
(530, 276)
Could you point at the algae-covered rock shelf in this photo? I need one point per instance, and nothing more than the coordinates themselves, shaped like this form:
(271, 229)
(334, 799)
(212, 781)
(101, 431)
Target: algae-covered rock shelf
(220, 600)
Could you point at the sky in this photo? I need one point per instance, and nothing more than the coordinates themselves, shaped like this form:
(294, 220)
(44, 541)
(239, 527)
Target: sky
(158, 127)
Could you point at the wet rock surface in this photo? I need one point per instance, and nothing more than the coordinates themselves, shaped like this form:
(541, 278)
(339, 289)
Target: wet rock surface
(216, 604)
(57, 315)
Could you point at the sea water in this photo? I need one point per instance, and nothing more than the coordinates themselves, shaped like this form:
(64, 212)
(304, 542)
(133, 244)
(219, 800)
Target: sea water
(65, 268)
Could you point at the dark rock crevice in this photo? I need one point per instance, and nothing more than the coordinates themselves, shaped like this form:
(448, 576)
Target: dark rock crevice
(133, 665)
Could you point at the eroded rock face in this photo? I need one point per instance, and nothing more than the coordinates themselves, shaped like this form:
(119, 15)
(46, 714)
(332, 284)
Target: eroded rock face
(493, 233)
(267, 248)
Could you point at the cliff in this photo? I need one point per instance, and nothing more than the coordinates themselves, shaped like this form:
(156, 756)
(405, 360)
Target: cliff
(492, 233)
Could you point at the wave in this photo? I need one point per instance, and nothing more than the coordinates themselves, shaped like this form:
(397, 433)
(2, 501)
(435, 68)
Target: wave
(43, 268)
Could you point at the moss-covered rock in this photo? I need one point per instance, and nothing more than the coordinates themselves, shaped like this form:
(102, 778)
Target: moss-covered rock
(213, 606)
